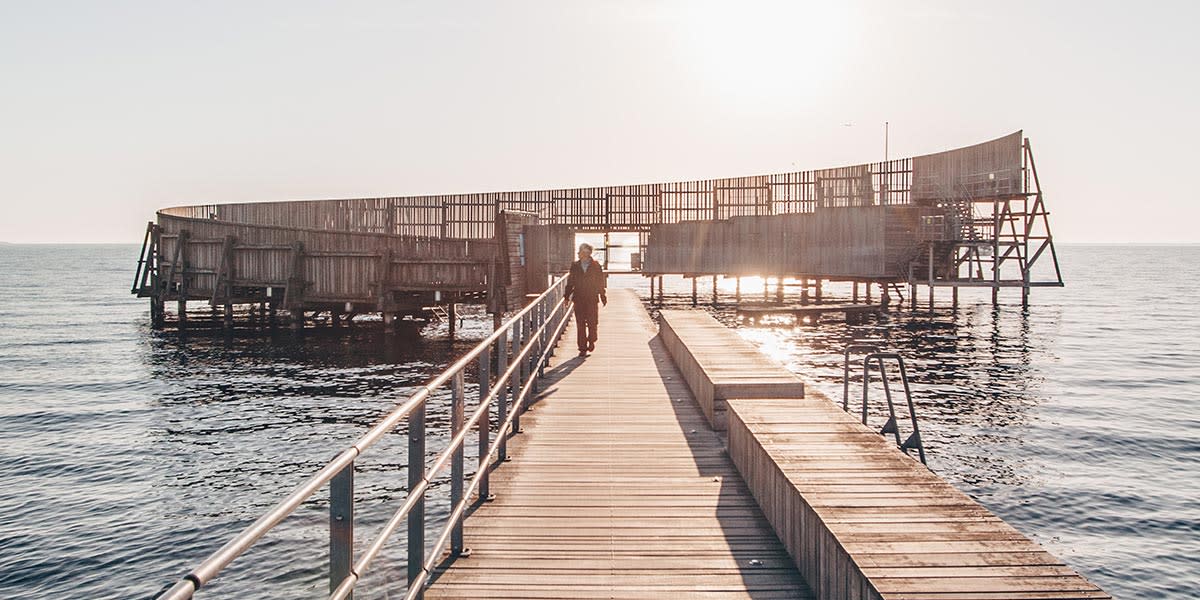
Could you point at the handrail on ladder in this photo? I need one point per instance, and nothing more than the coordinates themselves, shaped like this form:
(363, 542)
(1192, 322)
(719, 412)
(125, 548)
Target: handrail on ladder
(892, 426)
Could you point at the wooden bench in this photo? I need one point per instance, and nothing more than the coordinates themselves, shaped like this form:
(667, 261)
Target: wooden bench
(718, 364)
(863, 520)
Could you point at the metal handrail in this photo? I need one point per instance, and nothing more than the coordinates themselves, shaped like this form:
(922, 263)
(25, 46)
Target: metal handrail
(532, 347)
(868, 348)
(913, 440)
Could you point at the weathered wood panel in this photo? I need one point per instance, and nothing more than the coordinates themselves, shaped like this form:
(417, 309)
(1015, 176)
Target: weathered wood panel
(863, 520)
(718, 364)
(335, 266)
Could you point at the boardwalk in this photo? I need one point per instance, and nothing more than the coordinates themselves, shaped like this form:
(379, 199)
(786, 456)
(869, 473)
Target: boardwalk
(618, 488)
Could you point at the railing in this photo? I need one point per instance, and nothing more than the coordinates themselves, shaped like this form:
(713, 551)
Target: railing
(532, 334)
(913, 441)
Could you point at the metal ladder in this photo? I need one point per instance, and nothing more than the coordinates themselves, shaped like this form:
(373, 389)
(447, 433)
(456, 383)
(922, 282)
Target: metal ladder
(913, 441)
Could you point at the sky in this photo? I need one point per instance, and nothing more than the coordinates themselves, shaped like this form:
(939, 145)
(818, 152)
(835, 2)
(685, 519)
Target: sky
(111, 110)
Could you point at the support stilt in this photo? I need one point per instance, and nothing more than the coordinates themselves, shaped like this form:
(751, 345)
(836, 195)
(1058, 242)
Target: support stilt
(954, 297)
(452, 316)
(693, 291)
(737, 290)
(779, 289)
(854, 294)
(819, 292)
(714, 290)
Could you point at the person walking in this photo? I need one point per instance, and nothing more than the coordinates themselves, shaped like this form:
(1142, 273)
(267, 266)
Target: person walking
(586, 284)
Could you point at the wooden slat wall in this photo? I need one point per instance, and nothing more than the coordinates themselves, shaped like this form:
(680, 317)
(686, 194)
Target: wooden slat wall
(845, 242)
(338, 265)
(992, 168)
(638, 207)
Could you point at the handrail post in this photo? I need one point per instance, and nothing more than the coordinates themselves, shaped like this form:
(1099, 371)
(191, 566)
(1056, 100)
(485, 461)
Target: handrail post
(866, 386)
(912, 411)
(485, 426)
(341, 526)
(518, 380)
(887, 391)
(416, 473)
(456, 462)
(502, 401)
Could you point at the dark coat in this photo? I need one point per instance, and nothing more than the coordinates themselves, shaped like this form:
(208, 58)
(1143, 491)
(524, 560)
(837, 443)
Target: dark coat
(586, 287)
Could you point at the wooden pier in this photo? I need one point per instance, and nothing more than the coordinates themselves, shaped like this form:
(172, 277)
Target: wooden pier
(620, 486)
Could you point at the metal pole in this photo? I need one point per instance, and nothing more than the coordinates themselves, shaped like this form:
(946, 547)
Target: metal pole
(912, 411)
(456, 461)
(887, 391)
(518, 380)
(416, 473)
(341, 526)
(485, 386)
(502, 400)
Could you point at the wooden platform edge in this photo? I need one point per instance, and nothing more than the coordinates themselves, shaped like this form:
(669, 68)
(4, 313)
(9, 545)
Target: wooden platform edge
(710, 392)
(762, 444)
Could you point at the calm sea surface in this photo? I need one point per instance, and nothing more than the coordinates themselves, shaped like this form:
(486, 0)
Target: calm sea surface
(127, 455)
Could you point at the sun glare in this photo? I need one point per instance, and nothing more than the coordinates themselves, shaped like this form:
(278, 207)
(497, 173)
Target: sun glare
(758, 53)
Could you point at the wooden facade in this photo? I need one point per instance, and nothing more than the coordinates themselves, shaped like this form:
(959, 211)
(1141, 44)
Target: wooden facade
(953, 218)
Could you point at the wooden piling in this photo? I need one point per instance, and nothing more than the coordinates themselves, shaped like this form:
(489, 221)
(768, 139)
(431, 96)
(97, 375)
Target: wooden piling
(452, 316)
(693, 290)
(714, 290)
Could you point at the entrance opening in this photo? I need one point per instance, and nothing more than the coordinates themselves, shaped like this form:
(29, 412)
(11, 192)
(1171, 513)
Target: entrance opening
(613, 249)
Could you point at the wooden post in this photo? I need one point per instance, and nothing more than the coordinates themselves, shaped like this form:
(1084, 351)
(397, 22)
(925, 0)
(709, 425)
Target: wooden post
(452, 316)
(954, 297)
(714, 290)
(737, 290)
(227, 285)
(820, 295)
(804, 290)
(766, 288)
(931, 296)
(854, 294)
(293, 295)
(1025, 296)
(868, 296)
(693, 291)
(912, 296)
(779, 289)
(181, 260)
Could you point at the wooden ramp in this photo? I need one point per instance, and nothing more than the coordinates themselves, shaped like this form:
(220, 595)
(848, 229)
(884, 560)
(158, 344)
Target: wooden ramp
(618, 488)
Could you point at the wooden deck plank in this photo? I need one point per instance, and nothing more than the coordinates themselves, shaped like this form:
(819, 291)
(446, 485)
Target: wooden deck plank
(873, 514)
(618, 488)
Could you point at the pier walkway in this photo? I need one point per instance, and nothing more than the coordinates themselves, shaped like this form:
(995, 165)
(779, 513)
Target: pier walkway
(622, 485)
(618, 488)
